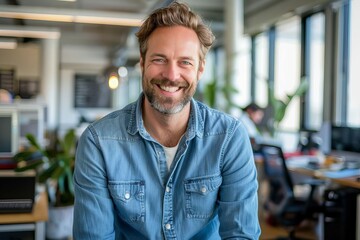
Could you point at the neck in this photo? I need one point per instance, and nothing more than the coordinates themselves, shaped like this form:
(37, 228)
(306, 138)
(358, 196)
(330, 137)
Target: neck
(167, 129)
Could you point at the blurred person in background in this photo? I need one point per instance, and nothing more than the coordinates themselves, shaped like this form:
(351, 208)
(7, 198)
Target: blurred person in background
(251, 117)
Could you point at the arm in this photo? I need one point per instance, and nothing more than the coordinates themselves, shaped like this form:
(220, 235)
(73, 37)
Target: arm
(238, 202)
(93, 209)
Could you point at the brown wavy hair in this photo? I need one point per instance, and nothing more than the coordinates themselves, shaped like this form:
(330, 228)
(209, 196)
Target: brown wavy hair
(176, 14)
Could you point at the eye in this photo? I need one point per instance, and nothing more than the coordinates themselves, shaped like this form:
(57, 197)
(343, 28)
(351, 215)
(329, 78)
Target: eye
(158, 60)
(184, 62)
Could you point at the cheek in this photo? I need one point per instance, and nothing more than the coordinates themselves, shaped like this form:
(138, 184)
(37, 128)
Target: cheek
(151, 71)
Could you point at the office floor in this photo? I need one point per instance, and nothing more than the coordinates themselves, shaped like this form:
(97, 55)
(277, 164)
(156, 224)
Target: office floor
(268, 231)
(308, 231)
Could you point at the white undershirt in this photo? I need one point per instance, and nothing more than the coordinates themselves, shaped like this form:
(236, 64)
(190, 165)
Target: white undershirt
(170, 154)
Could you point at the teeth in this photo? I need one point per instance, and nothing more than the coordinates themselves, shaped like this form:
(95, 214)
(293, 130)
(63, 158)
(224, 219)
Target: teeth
(169, 88)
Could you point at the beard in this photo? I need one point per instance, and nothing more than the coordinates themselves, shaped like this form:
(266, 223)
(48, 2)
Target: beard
(168, 105)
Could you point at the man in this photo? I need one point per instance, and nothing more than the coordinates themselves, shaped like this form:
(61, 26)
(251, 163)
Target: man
(167, 166)
(251, 117)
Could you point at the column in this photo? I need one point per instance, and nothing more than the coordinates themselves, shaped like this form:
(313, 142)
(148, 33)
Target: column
(234, 25)
(49, 80)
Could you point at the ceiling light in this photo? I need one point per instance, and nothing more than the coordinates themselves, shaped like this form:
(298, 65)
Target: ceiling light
(38, 16)
(122, 71)
(29, 32)
(107, 21)
(113, 81)
(71, 15)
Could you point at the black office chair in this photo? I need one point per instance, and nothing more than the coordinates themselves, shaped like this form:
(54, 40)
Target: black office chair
(288, 210)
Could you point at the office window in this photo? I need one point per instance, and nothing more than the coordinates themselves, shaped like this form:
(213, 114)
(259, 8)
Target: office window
(287, 69)
(314, 69)
(353, 98)
(261, 65)
(213, 74)
(242, 81)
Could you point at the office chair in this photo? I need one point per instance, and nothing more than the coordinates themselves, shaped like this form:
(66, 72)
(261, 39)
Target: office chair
(288, 210)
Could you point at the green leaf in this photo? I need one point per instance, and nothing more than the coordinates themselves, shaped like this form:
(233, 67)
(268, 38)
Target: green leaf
(34, 164)
(47, 173)
(33, 142)
(279, 106)
(58, 173)
(61, 184)
(26, 155)
(69, 175)
(303, 87)
(280, 111)
(210, 93)
(69, 142)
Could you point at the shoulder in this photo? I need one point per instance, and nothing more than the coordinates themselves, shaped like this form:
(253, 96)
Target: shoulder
(114, 123)
(215, 121)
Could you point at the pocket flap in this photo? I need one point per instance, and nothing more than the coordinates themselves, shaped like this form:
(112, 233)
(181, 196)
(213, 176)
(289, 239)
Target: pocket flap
(125, 191)
(203, 185)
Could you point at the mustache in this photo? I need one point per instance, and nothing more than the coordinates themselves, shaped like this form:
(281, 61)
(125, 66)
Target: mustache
(167, 82)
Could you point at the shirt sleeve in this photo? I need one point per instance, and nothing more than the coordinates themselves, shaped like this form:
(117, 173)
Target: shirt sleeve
(93, 209)
(238, 201)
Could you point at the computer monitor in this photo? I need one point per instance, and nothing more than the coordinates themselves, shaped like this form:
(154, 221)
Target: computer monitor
(340, 140)
(31, 121)
(8, 133)
(16, 121)
(344, 138)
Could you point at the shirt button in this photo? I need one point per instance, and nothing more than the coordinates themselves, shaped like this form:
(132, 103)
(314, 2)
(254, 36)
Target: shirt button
(167, 189)
(127, 196)
(203, 190)
(168, 226)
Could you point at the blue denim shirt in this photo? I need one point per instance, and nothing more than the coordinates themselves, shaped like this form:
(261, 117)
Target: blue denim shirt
(124, 190)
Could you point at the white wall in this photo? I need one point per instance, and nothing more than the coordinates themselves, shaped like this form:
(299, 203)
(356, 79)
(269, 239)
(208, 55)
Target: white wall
(25, 58)
(73, 60)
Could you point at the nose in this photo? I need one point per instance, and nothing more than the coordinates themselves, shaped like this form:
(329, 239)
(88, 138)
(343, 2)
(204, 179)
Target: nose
(171, 72)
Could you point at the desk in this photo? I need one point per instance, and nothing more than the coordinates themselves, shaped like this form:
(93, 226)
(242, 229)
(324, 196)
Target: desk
(331, 218)
(347, 181)
(297, 165)
(34, 221)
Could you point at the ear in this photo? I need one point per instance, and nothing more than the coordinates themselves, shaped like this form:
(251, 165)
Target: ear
(141, 64)
(201, 69)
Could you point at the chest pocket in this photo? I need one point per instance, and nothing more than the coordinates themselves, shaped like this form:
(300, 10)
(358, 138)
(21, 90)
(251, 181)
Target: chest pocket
(129, 199)
(201, 196)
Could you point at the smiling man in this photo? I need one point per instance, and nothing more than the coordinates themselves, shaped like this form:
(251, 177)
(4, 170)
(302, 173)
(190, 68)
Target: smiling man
(167, 166)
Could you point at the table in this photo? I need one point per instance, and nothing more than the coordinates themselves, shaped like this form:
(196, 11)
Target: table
(346, 181)
(34, 221)
(298, 165)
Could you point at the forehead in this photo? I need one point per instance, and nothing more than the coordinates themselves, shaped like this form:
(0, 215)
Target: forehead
(174, 40)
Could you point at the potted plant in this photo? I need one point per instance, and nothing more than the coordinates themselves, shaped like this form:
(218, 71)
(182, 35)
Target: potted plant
(54, 166)
(279, 106)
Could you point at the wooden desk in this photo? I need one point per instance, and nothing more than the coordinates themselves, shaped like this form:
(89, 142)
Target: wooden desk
(347, 181)
(320, 174)
(34, 221)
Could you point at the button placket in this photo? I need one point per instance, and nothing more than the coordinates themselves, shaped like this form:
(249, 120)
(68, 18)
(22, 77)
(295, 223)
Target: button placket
(168, 227)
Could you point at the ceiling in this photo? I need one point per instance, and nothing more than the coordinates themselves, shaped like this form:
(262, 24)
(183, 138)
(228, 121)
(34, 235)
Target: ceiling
(110, 35)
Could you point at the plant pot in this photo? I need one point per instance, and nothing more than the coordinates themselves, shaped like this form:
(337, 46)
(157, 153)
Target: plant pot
(60, 222)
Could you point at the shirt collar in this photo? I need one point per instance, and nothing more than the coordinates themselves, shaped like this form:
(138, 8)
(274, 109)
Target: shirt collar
(195, 124)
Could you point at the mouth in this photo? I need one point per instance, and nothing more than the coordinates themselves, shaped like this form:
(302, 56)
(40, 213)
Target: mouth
(169, 89)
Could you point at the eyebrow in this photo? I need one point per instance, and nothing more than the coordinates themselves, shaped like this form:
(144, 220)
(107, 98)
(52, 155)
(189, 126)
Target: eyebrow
(188, 58)
(157, 55)
(164, 56)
